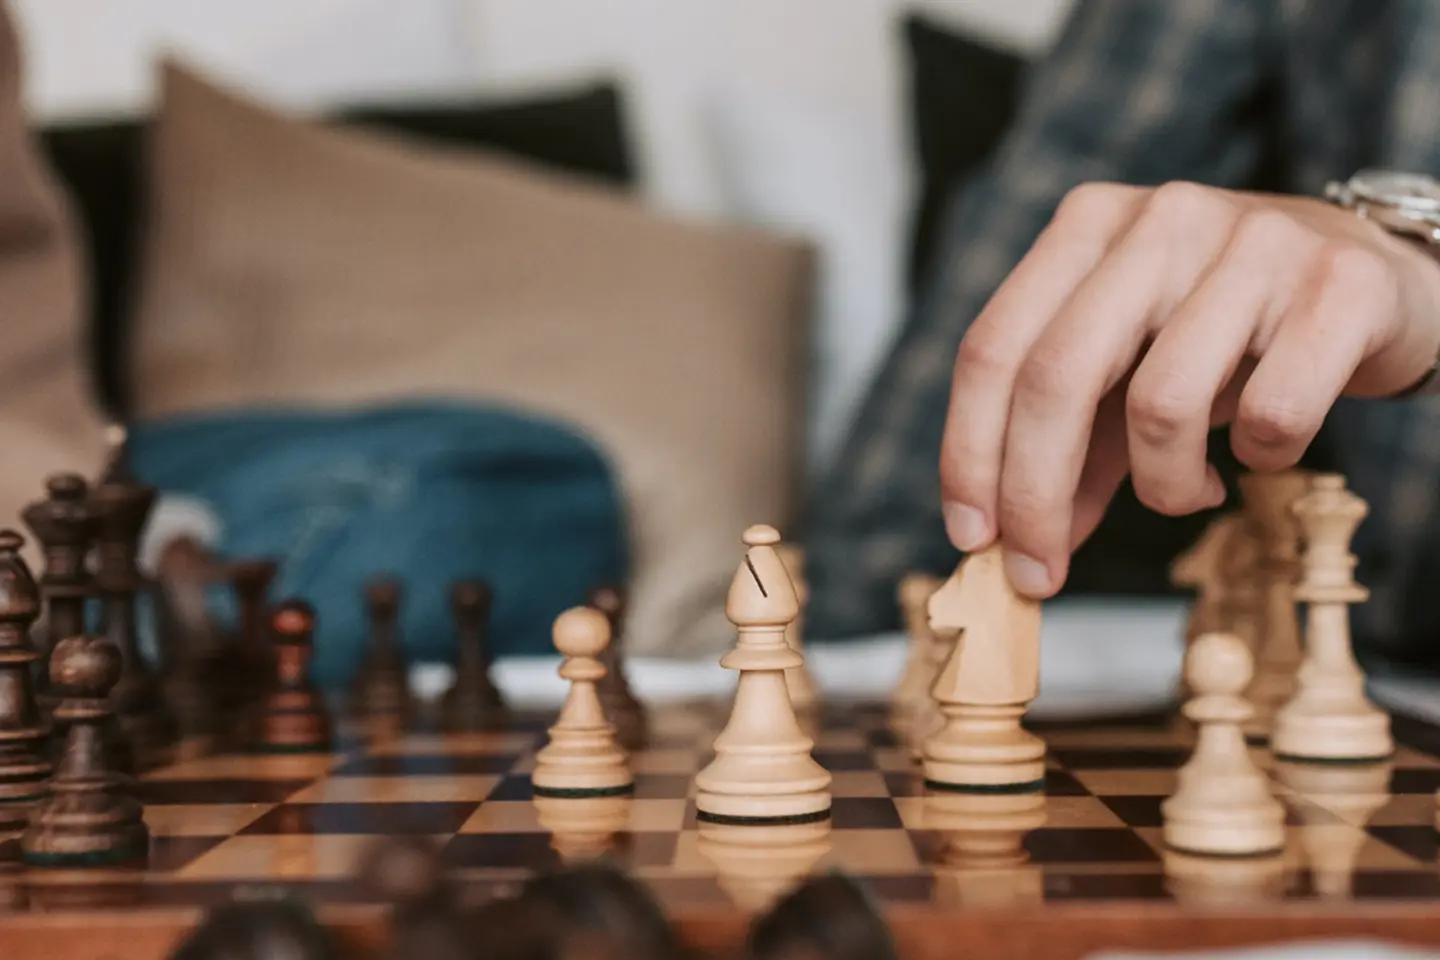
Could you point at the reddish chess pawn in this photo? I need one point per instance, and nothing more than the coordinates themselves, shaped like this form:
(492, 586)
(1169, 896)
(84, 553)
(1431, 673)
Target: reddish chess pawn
(292, 717)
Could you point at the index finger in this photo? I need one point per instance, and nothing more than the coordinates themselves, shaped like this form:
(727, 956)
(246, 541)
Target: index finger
(1085, 226)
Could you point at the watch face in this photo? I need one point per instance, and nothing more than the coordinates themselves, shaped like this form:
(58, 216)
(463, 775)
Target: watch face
(1414, 193)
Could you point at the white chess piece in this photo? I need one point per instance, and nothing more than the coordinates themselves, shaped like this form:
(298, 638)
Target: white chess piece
(763, 771)
(988, 682)
(582, 758)
(912, 691)
(1329, 717)
(1223, 804)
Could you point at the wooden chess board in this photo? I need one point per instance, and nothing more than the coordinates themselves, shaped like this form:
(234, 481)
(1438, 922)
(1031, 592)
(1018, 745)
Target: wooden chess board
(1080, 869)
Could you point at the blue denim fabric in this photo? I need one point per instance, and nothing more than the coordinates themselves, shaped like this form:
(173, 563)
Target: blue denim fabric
(426, 492)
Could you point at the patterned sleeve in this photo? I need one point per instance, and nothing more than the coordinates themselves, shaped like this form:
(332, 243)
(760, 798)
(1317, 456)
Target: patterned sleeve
(1134, 91)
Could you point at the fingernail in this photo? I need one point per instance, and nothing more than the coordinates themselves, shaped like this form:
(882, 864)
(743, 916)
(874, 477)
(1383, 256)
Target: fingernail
(965, 526)
(1027, 575)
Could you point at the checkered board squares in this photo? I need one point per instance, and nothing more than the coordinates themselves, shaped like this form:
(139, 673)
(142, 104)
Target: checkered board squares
(233, 823)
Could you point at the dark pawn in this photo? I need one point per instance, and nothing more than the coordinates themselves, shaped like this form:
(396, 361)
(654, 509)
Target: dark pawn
(123, 505)
(292, 716)
(382, 687)
(473, 702)
(426, 920)
(593, 910)
(65, 525)
(825, 918)
(281, 929)
(251, 581)
(24, 766)
(89, 817)
(622, 708)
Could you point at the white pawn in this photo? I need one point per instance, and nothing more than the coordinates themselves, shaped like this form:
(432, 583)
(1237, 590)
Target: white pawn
(1222, 805)
(912, 693)
(582, 758)
(1329, 717)
(763, 771)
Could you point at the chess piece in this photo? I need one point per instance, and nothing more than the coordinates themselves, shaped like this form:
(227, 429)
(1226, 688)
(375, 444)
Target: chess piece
(928, 719)
(1222, 805)
(913, 689)
(65, 525)
(987, 684)
(473, 702)
(1203, 569)
(826, 918)
(89, 817)
(24, 766)
(1267, 499)
(757, 864)
(582, 758)
(381, 690)
(983, 861)
(292, 717)
(123, 506)
(1329, 717)
(621, 706)
(763, 771)
(804, 691)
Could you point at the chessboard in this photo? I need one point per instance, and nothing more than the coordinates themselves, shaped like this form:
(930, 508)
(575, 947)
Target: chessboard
(1078, 868)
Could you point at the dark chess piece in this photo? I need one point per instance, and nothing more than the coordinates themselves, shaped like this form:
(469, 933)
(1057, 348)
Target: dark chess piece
(622, 708)
(189, 649)
(24, 765)
(826, 918)
(123, 505)
(277, 929)
(425, 920)
(473, 702)
(90, 817)
(594, 910)
(382, 686)
(291, 717)
(251, 581)
(65, 525)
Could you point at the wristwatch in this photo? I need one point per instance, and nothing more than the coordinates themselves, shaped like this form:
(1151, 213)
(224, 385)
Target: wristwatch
(1407, 205)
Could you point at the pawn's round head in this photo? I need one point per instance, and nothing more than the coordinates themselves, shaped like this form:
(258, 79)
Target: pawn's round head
(293, 620)
(10, 541)
(86, 666)
(581, 632)
(1218, 664)
(760, 535)
(607, 599)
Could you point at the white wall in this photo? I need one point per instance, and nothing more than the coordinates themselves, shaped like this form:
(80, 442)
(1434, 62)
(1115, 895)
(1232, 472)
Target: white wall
(785, 113)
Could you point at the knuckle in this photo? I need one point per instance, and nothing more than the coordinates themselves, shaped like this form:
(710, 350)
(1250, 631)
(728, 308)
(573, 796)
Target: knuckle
(1158, 414)
(1354, 271)
(1264, 230)
(1180, 204)
(1275, 420)
(1091, 201)
(1044, 378)
(981, 352)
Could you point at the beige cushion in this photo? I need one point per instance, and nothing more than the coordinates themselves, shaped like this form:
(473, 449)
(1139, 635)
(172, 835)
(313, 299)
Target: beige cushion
(294, 263)
(48, 422)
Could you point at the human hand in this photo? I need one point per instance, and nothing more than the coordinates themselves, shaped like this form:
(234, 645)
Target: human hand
(1142, 318)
